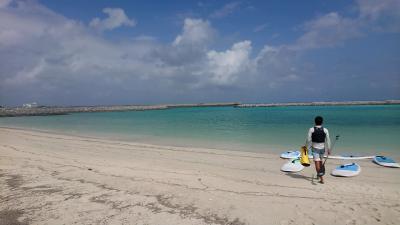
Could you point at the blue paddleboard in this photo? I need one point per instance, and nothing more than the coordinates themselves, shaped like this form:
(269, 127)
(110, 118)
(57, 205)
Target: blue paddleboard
(385, 161)
(347, 170)
(290, 155)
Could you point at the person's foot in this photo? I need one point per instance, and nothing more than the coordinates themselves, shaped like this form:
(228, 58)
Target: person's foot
(321, 181)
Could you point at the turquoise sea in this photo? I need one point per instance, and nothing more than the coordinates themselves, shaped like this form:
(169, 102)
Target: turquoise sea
(362, 129)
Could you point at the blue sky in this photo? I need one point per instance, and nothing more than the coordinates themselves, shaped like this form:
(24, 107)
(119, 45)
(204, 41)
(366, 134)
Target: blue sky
(148, 52)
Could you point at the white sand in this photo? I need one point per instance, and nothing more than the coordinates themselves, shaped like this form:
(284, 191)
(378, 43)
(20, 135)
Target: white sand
(58, 179)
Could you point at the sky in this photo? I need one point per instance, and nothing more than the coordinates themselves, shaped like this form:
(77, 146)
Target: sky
(154, 52)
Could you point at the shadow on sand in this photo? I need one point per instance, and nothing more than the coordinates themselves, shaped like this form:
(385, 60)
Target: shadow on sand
(300, 176)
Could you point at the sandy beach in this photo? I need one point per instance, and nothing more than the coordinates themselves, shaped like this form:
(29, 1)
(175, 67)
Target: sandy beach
(58, 179)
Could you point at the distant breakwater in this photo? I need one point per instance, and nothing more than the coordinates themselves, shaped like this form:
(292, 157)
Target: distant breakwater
(46, 111)
(386, 102)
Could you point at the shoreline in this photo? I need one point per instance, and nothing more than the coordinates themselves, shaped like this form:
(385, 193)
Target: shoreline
(48, 178)
(223, 147)
(245, 147)
(110, 140)
(58, 110)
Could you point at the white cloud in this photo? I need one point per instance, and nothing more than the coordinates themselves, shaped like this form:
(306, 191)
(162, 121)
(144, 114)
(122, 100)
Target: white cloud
(189, 47)
(381, 16)
(372, 9)
(225, 67)
(328, 31)
(4, 3)
(260, 27)
(333, 29)
(226, 10)
(48, 55)
(58, 60)
(195, 32)
(116, 18)
(145, 38)
(55, 59)
(278, 65)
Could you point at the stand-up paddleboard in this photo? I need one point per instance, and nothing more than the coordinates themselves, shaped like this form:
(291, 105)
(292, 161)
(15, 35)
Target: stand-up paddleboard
(350, 156)
(290, 155)
(385, 161)
(347, 170)
(292, 166)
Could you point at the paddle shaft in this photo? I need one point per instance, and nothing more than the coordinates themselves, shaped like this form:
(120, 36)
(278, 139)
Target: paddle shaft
(333, 144)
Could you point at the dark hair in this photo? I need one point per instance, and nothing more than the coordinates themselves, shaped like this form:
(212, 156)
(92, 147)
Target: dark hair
(318, 120)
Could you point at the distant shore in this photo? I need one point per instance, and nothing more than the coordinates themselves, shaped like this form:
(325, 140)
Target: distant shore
(385, 102)
(64, 110)
(55, 110)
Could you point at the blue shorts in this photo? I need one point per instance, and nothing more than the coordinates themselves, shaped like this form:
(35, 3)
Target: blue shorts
(318, 154)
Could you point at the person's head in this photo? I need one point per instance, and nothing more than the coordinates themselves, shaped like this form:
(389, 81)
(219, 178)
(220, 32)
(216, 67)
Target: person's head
(318, 120)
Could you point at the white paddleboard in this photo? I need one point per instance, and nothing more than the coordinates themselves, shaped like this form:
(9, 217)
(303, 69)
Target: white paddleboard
(293, 165)
(350, 157)
(290, 155)
(347, 170)
(385, 161)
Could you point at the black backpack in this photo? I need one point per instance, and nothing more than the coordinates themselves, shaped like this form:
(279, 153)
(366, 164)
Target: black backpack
(318, 136)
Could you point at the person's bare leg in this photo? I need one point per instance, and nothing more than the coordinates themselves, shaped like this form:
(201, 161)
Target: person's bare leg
(317, 166)
(321, 177)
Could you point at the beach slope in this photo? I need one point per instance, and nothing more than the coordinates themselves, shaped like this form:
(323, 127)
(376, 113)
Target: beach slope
(58, 179)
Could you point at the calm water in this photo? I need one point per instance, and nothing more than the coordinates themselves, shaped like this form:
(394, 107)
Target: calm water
(362, 129)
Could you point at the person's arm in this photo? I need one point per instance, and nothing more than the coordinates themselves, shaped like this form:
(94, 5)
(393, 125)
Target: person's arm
(328, 142)
(308, 138)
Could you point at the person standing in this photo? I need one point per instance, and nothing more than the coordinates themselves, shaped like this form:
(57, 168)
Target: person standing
(318, 140)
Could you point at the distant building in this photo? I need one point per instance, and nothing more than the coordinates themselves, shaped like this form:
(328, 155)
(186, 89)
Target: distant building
(30, 105)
